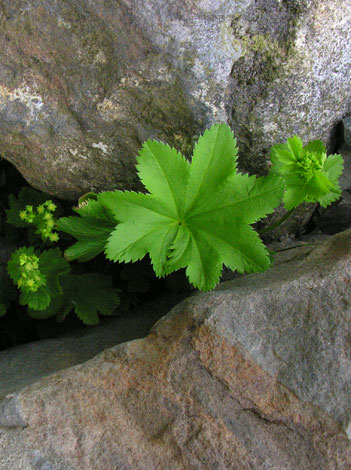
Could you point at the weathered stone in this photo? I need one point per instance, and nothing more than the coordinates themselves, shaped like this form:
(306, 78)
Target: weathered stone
(253, 375)
(83, 83)
(294, 66)
(27, 363)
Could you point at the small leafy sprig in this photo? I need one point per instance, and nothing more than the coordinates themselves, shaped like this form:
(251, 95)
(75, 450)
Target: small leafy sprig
(37, 275)
(92, 229)
(309, 174)
(27, 196)
(43, 278)
(23, 267)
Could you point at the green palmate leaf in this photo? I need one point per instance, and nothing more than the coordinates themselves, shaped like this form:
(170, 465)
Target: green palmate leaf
(91, 229)
(86, 294)
(333, 168)
(316, 146)
(156, 162)
(197, 215)
(94, 294)
(53, 266)
(295, 146)
(37, 300)
(310, 176)
(149, 230)
(214, 160)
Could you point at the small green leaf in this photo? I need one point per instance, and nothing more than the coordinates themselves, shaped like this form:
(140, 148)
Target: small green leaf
(91, 229)
(38, 300)
(318, 186)
(279, 153)
(86, 294)
(316, 146)
(296, 193)
(295, 144)
(53, 266)
(87, 197)
(333, 167)
(94, 294)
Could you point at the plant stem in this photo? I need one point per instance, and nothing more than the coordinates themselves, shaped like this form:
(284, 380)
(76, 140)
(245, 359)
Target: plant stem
(296, 246)
(277, 223)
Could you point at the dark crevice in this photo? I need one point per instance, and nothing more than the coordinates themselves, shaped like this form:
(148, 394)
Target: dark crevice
(266, 420)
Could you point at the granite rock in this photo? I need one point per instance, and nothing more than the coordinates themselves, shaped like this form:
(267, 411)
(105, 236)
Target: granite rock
(254, 375)
(27, 363)
(83, 83)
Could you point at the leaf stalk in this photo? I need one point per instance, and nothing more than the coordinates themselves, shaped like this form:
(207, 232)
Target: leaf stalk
(278, 222)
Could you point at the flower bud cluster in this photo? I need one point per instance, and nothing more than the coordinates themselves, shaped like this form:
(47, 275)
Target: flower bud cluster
(42, 217)
(30, 278)
(310, 162)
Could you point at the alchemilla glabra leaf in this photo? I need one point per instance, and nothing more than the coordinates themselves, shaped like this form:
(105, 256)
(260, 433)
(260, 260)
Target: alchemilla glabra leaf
(196, 215)
(91, 229)
(310, 175)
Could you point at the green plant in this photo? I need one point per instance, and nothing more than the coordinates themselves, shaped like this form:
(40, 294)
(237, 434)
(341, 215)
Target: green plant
(43, 277)
(309, 175)
(92, 229)
(32, 211)
(198, 215)
(37, 275)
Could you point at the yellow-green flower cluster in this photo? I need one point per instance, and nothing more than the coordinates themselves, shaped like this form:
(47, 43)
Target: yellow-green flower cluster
(310, 162)
(43, 218)
(30, 278)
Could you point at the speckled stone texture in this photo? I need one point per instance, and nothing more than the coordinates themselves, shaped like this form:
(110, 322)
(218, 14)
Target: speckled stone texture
(84, 82)
(254, 375)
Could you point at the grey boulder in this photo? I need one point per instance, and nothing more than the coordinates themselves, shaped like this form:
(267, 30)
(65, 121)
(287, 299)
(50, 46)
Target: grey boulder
(83, 83)
(254, 375)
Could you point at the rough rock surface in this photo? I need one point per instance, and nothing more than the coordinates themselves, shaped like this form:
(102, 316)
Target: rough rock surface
(255, 375)
(27, 363)
(83, 83)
